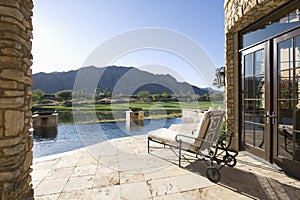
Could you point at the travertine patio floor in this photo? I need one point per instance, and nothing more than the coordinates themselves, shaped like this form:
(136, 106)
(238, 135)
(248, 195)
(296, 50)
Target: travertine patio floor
(122, 169)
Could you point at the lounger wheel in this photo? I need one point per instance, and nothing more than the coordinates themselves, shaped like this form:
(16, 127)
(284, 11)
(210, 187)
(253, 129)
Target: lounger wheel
(229, 160)
(213, 174)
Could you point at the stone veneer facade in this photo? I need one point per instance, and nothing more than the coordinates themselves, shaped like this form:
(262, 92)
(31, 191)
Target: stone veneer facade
(238, 15)
(15, 99)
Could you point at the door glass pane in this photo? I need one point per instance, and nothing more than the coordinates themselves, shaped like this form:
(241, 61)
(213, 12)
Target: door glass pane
(259, 62)
(297, 52)
(259, 121)
(285, 129)
(259, 136)
(286, 85)
(297, 134)
(248, 121)
(287, 91)
(297, 84)
(249, 89)
(285, 55)
(260, 87)
(296, 97)
(254, 98)
(248, 65)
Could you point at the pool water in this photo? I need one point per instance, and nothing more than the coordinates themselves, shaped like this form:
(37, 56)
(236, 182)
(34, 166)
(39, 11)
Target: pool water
(49, 141)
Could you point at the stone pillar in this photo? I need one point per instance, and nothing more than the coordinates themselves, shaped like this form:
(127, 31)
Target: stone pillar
(231, 90)
(15, 99)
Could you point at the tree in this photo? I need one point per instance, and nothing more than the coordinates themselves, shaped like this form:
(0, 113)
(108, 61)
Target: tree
(97, 91)
(65, 95)
(165, 95)
(155, 97)
(37, 95)
(143, 95)
(107, 93)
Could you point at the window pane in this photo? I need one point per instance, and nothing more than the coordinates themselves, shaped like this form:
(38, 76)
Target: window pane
(249, 90)
(259, 135)
(248, 65)
(285, 55)
(259, 62)
(297, 52)
(285, 85)
(260, 87)
(297, 147)
(297, 134)
(285, 142)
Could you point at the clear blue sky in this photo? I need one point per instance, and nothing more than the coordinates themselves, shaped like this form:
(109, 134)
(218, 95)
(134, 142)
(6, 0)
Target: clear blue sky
(66, 32)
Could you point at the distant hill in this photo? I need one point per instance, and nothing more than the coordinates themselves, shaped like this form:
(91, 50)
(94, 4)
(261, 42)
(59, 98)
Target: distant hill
(119, 80)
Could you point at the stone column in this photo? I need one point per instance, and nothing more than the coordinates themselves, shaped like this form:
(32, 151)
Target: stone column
(231, 91)
(15, 99)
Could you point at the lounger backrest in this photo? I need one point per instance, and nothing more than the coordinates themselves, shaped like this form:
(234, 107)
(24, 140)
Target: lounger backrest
(209, 126)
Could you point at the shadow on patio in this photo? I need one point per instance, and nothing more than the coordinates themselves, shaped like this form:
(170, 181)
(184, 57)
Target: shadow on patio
(253, 179)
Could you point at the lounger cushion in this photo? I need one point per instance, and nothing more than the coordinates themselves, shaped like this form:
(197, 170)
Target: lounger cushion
(204, 124)
(168, 136)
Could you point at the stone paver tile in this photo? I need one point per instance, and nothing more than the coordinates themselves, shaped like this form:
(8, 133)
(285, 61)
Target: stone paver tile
(221, 193)
(48, 197)
(296, 184)
(286, 179)
(79, 183)
(131, 177)
(40, 174)
(125, 156)
(142, 163)
(87, 161)
(108, 160)
(111, 193)
(65, 162)
(44, 164)
(178, 184)
(130, 165)
(170, 170)
(84, 170)
(104, 168)
(139, 190)
(35, 183)
(59, 173)
(83, 194)
(213, 192)
(50, 187)
(106, 179)
(104, 149)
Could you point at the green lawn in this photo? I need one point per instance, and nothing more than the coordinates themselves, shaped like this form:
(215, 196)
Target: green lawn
(153, 110)
(146, 106)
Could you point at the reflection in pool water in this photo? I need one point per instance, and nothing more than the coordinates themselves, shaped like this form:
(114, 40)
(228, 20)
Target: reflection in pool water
(71, 137)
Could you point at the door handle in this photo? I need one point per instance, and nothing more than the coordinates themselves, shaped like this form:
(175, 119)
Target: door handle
(272, 116)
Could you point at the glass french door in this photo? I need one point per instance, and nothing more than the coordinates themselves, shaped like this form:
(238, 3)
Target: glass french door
(270, 101)
(255, 101)
(287, 102)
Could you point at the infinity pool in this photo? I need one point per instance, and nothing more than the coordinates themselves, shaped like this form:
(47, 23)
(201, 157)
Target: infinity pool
(49, 141)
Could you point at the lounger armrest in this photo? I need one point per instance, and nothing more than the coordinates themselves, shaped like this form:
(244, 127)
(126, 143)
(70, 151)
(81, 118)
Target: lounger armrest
(185, 136)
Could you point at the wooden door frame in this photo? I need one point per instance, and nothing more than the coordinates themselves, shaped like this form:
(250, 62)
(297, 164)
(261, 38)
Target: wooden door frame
(267, 152)
(288, 165)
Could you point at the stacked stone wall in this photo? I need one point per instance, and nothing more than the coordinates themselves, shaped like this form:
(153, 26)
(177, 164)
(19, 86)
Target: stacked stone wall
(238, 15)
(15, 99)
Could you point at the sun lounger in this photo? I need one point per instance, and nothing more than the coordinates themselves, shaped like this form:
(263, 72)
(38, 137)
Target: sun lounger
(201, 141)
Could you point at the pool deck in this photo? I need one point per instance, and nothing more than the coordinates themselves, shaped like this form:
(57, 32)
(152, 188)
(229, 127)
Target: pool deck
(122, 169)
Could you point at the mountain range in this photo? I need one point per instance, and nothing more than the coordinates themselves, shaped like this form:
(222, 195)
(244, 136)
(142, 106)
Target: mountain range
(118, 80)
